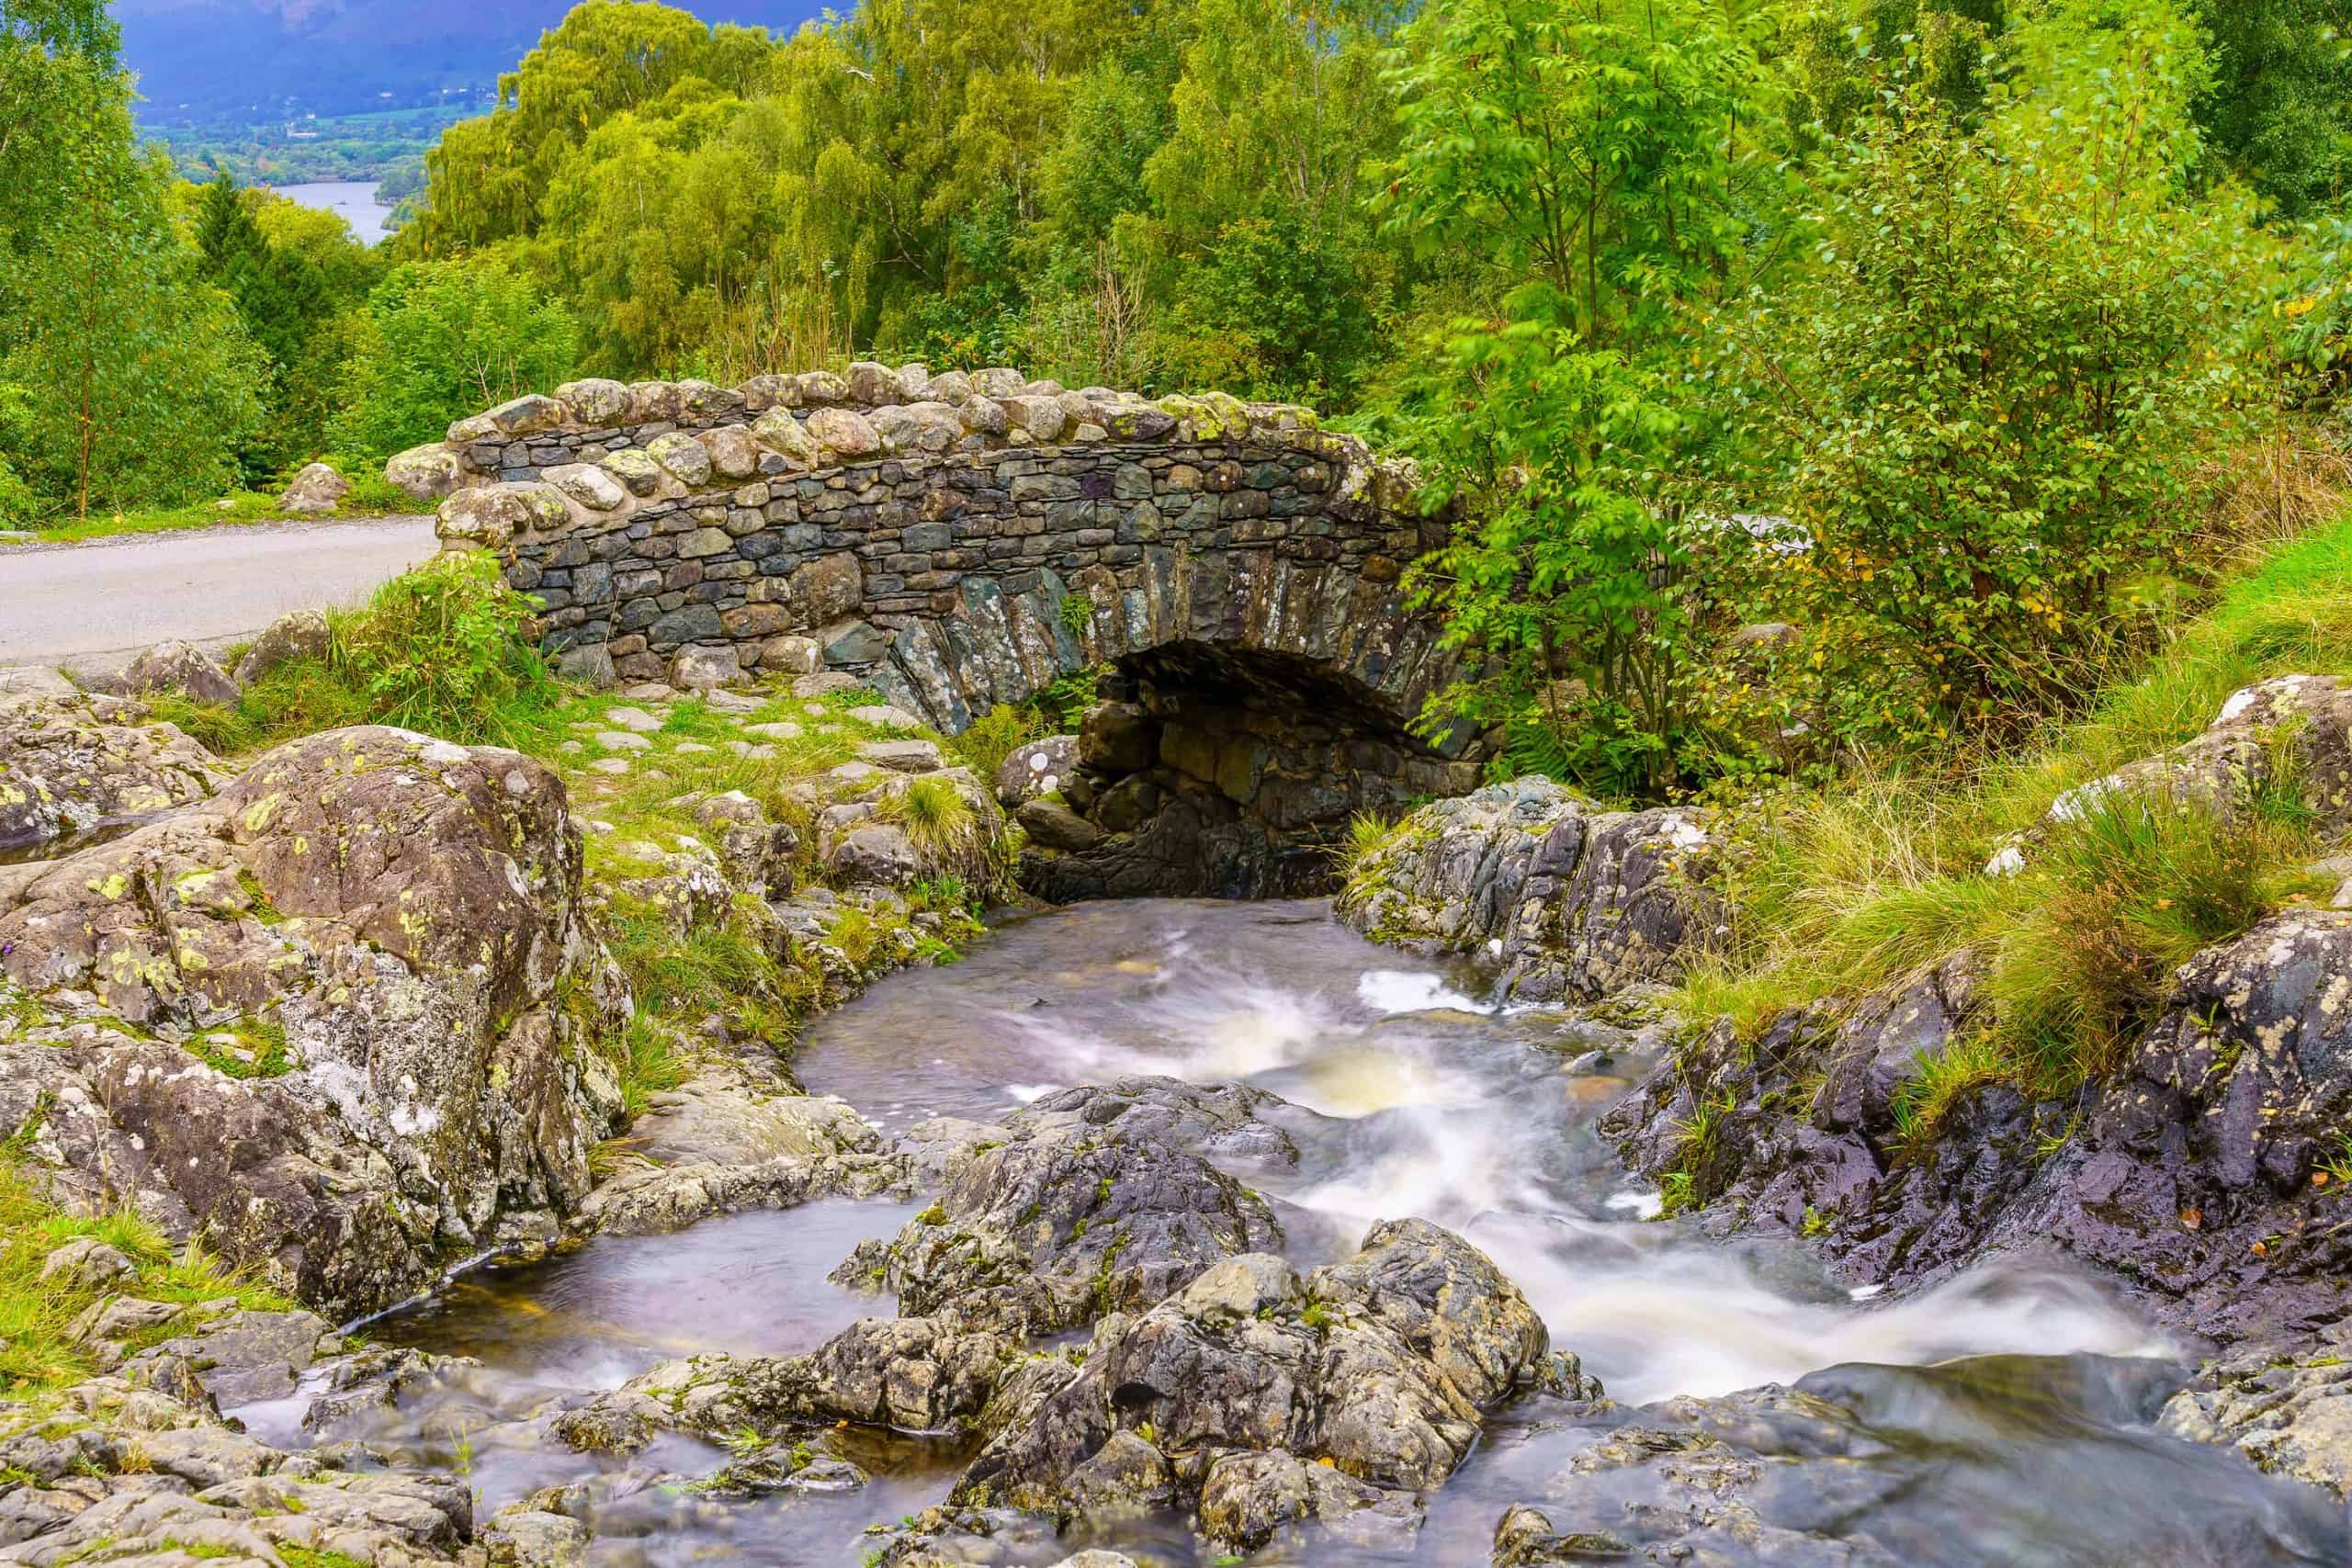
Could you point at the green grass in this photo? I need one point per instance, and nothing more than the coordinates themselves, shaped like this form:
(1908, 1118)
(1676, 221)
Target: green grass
(437, 649)
(34, 1314)
(370, 497)
(1843, 891)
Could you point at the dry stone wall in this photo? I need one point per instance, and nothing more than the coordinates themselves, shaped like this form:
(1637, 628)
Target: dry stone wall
(959, 541)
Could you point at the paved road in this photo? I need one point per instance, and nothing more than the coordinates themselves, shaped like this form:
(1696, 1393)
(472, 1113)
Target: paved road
(85, 604)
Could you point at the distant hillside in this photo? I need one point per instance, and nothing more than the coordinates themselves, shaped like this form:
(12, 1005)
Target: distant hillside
(206, 62)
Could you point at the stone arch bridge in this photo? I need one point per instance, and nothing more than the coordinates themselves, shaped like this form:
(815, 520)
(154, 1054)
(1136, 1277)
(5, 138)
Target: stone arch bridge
(961, 541)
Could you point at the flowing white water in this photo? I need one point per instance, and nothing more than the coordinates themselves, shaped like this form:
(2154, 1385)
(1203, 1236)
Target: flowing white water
(2002, 1417)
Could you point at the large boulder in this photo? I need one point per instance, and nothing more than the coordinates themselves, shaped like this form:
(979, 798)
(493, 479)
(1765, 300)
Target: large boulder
(183, 670)
(428, 472)
(316, 491)
(69, 762)
(1569, 900)
(1380, 1367)
(1070, 1218)
(339, 1019)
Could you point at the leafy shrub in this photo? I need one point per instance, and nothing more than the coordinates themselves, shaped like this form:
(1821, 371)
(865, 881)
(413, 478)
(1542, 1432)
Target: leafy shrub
(441, 649)
(442, 340)
(1991, 395)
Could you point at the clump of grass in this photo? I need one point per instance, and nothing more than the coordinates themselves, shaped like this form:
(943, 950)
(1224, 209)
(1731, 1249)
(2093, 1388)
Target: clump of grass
(649, 1059)
(442, 650)
(1369, 836)
(996, 735)
(35, 1312)
(933, 814)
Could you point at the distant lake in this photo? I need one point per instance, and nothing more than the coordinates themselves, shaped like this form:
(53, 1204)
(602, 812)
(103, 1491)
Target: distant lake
(356, 199)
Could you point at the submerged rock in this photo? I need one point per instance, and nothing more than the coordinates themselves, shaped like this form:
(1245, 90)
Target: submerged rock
(337, 1020)
(1569, 900)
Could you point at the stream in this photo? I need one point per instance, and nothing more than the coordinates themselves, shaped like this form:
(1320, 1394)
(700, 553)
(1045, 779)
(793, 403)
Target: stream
(2005, 1417)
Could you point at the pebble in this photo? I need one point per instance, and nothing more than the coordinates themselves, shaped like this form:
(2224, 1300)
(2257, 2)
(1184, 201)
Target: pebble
(690, 747)
(744, 749)
(621, 740)
(785, 731)
(610, 765)
(885, 715)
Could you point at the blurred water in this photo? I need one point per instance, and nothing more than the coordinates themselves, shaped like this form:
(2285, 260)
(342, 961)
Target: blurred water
(2004, 1417)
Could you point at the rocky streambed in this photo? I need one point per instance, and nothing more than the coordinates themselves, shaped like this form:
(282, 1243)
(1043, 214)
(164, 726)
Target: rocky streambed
(1154, 1232)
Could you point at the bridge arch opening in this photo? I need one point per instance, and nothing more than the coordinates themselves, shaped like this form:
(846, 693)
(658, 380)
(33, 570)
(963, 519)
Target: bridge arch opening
(1221, 770)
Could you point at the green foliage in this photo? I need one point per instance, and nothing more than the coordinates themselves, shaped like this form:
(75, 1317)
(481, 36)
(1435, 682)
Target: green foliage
(1990, 396)
(440, 649)
(34, 1314)
(1847, 890)
(442, 340)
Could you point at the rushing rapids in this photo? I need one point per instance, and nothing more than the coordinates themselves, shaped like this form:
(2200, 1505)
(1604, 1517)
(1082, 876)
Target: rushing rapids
(2008, 1415)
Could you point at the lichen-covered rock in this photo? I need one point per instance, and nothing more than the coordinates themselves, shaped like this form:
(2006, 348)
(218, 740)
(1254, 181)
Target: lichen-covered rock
(1069, 1219)
(303, 634)
(183, 670)
(595, 401)
(1037, 768)
(427, 472)
(492, 516)
(2288, 1412)
(316, 491)
(1381, 1365)
(915, 1373)
(69, 762)
(126, 1472)
(336, 1020)
(2302, 720)
(1570, 901)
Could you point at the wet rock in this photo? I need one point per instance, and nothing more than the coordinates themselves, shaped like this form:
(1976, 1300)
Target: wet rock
(1040, 767)
(724, 1142)
(1245, 1498)
(914, 1374)
(182, 669)
(2290, 1414)
(69, 762)
(1229, 1122)
(520, 1536)
(1571, 901)
(2196, 1171)
(1118, 737)
(1380, 1366)
(403, 913)
(298, 635)
(1069, 1221)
